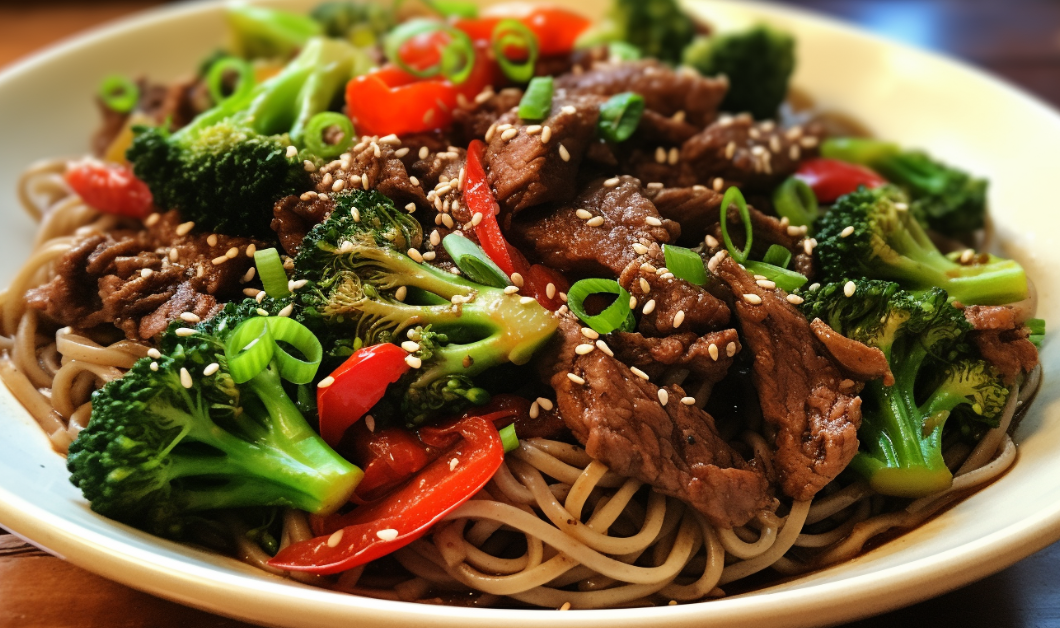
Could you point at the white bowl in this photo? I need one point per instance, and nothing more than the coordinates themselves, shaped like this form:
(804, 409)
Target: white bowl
(904, 94)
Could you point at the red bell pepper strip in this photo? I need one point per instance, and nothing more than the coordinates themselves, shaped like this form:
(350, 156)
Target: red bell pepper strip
(556, 29)
(357, 385)
(830, 178)
(388, 457)
(110, 188)
(372, 531)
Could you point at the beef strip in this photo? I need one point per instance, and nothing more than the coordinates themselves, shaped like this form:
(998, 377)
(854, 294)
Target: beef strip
(856, 360)
(141, 280)
(1002, 340)
(801, 391)
(293, 218)
(564, 241)
(674, 447)
(655, 356)
(524, 170)
(380, 163)
(472, 122)
(669, 131)
(666, 91)
(702, 311)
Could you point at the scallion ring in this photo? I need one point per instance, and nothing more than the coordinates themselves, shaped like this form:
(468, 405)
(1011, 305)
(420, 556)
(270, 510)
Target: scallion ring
(451, 8)
(297, 335)
(620, 116)
(787, 280)
(319, 125)
(537, 101)
(685, 264)
(622, 51)
(270, 271)
(615, 316)
(473, 261)
(509, 439)
(509, 33)
(795, 201)
(119, 93)
(249, 349)
(215, 79)
(777, 256)
(734, 196)
(456, 59)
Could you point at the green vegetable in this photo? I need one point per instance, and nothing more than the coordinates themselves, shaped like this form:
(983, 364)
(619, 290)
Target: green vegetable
(787, 280)
(943, 198)
(456, 59)
(537, 101)
(888, 243)
(617, 315)
(509, 439)
(259, 341)
(758, 62)
(168, 444)
(656, 28)
(778, 256)
(355, 267)
(733, 196)
(454, 8)
(1037, 329)
(259, 32)
(935, 375)
(509, 34)
(622, 51)
(363, 24)
(270, 271)
(228, 166)
(215, 79)
(473, 261)
(684, 264)
(619, 116)
(318, 125)
(119, 93)
(795, 201)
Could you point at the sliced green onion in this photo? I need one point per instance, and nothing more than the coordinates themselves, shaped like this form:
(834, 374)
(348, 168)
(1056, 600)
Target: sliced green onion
(513, 33)
(318, 125)
(451, 8)
(1037, 329)
(622, 51)
(270, 270)
(473, 261)
(119, 93)
(795, 201)
(508, 438)
(787, 280)
(685, 264)
(215, 78)
(297, 335)
(456, 59)
(537, 101)
(249, 349)
(615, 316)
(620, 116)
(777, 256)
(734, 196)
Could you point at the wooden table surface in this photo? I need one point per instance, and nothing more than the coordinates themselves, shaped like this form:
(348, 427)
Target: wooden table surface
(1017, 39)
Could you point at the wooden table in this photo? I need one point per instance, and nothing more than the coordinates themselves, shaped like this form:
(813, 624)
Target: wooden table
(1018, 39)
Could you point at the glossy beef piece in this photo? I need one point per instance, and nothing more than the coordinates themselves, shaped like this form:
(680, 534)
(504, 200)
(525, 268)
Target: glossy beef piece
(814, 409)
(655, 356)
(472, 122)
(524, 170)
(380, 165)
(701, 311)
(675, 448)
(663, 132)
(856, 360)
(293, 218)
(666, 91)
(560, 239)
(754, 156)
(140, 281)
(1002, 341)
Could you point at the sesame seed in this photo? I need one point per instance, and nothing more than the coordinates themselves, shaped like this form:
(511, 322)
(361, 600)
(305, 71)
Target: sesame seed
(660, 155)
(185, 332)
(457, 299)
(808, 245)
(901, 206)
(424, 152)
(415, 255)
(309, 166)
(189, 317)
(655, 185)
(550, 290)
(967, 255)
(489, 133)
(511, 289)
(413, 361)
(584, 214)
(533, 129)
(338, 186)
(286, 310)
(584, 349)
(765, 283)
(401, 293)
(185, 378)
(596, 221)
(517, 279)
(577, 380)
(211, 239)
(410, 346)
(653, 221)
(601, 345)
(639, 373)
(846, 231)
(336, 537)
(632, 302)
(184, 228)
(260, 296)
(673, 156)
(146, 272)
(794, 153)
(850, 288)
(217, 261)
(730, 150)
(774, 144)
(401, 152)
(211, 368)
(612, 182)
(535, 410)
(563, 153)
(808, 142)
(546, 404)
(389, 534)
(369, 422)
(452, 463)
(753, 299)
(730, 349)
(526, 300)
(262, 312)
(649, 307)
(679, 318)
(794, 299)
(504, 127)
(688, 401)
(509, 134)
(322, 197)
(645, 287)
(711, 241)
(428, 118)
(639, 248)
(154, 366)
(429, 256)
(713, 351)
(447, 220)
(565, 607)
(414, 181)
(814, 286)
(251, 250)
(173, 255)
(718, 185)
(484, 95)
(546, 134)
(153, 219)
(232, 253)
(568, 109)
(664, 397)
(794, 230)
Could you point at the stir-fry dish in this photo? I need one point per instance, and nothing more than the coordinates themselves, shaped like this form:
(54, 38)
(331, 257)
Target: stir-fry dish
(507, 307)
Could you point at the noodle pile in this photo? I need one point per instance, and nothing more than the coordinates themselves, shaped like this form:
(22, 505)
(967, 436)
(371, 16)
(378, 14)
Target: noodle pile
(553, 528)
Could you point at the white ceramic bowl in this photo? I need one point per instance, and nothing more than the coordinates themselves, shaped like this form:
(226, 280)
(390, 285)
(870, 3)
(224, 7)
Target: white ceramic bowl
(904, 94)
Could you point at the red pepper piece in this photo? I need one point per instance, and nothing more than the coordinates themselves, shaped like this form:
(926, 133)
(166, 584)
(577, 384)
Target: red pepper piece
(830, 178)
(110, 188)
(380, 528)
(388, 457)
(556, 29)
(358, 385)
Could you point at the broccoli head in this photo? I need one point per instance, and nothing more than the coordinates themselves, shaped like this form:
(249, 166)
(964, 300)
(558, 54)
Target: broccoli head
(888, 243)
(942, 198)
(657, 28)
(923, 337)
(228, 166)
(176, 437)
(362, 24)
(758, 62)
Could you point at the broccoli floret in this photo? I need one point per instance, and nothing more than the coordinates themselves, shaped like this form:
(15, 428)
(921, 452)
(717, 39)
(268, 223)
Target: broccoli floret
(362, 24)
(657, 28)
(355, 265)
(162, 447)
(922, 335)
(758, 62)
(259, 32)
(226, 169)
(888, 243)
(943, 198)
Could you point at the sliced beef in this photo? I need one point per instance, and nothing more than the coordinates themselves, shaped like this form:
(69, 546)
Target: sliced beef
(571, 243)
(472, 122)
(377, 163)
(801, 391)
(675, 448)
(706, 357)
(666, 132)
(526, 170)
(666, 91)
(1002, 341)
(857, 360)
(700, 311)
(293, 218)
